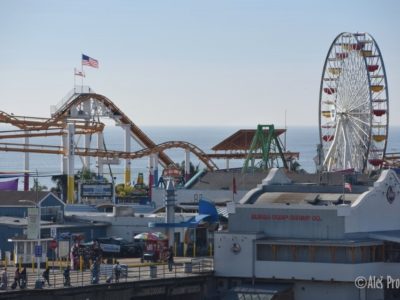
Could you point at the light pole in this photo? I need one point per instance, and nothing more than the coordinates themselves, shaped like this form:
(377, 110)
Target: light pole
(38, 284)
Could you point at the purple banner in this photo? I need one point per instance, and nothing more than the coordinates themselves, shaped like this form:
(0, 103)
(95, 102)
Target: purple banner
(11, 185)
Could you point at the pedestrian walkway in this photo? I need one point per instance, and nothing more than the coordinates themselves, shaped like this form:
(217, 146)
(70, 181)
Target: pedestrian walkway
(131, 270)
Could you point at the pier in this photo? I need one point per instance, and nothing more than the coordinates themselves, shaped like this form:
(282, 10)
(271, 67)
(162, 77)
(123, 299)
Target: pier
(188, 277)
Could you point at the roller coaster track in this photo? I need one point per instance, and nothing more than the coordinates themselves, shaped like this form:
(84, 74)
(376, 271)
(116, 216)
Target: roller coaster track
(115, 113)
(45, 124)
(201, 155)
(59, 119)
(48, 149)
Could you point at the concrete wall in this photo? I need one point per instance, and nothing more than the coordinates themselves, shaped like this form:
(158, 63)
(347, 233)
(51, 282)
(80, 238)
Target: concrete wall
(372, 211)
(288, 221)
(183, 195)
(304, 290)
(321, 271)
(227, 261)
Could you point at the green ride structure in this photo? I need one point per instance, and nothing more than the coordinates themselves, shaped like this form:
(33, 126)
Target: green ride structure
(267, 143)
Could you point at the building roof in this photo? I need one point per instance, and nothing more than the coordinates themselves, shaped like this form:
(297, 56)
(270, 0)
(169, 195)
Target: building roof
(305, 198)
(223, 180)
(241, 140)
(11, 198)
(23, 222)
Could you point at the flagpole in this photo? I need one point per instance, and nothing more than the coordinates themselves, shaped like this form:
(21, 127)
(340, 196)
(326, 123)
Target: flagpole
(233, 188)
(82, 75)
(344, 189)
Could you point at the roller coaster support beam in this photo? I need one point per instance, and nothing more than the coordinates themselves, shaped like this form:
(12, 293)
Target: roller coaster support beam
(87, 158)
(64, 157)
(70, 154)
(155, 168)
(26, 167)
(151, 173)
(100, 146)
(187, 164)
(86, 109)
(127, 129)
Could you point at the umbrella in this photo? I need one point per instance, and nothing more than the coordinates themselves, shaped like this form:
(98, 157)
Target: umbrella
(151, 236)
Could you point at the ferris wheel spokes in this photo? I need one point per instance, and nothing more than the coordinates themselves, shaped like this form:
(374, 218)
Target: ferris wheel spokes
(353, 104)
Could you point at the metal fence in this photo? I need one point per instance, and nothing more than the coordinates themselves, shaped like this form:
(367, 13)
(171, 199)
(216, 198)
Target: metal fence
(106, 274)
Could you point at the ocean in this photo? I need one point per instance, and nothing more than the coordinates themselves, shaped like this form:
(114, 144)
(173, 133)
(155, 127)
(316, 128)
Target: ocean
(298, 139)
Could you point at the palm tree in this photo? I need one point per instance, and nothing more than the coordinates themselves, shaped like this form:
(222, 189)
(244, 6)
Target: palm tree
(37, 187)
(61, 185)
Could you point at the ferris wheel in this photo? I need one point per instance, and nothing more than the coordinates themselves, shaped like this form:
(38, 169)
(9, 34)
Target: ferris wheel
(353, 105)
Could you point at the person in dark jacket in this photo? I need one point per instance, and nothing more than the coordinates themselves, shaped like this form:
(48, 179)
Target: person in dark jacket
(170, 258)
(67, 278)
(23, 277)
(17, 278)
(46, 276)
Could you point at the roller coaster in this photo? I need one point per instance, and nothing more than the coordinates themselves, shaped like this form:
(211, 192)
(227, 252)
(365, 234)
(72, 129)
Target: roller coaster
(84, 108)
(80, 113)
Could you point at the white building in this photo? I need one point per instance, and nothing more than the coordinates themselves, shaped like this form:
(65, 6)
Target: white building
(314, 238)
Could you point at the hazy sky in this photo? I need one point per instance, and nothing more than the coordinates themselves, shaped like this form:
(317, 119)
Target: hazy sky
(205, 62)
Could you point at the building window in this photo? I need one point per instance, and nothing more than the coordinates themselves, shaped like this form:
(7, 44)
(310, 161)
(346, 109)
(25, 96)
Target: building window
(325, 254)
(392, 252)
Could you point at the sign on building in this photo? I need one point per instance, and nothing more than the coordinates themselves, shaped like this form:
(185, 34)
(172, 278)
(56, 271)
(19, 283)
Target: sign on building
(63, 248)
(53, 232)
(33, 223)
(38, 251)
(97, 190)
(110, 248)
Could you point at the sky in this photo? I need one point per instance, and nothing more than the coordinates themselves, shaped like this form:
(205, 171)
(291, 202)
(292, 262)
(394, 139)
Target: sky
(187, 63)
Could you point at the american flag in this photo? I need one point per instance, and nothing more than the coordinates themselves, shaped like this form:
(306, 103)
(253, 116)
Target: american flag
(88, 61)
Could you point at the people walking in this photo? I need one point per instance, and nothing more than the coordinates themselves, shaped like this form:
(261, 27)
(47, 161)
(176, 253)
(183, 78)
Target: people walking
(95, 272)
(117, 271)
(170, 258)
(46, 276)
(17, 278)
(23, 278)
(4, 280)
(67, 278)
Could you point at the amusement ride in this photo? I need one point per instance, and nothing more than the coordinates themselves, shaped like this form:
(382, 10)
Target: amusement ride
(353, 125)
(353, 105)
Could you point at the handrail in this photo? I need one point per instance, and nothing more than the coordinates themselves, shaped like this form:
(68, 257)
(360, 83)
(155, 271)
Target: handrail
(76, 91)
(129, 273)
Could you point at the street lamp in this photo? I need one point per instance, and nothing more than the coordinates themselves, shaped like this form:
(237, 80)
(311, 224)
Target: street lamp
(38, 284)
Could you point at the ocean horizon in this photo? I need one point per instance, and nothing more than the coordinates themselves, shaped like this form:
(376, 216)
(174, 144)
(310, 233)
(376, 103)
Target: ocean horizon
(302, 139)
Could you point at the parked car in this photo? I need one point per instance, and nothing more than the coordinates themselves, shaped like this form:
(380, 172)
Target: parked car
(116, 246)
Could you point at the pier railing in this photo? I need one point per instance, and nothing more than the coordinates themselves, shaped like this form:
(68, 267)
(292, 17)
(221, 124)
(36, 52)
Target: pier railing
(129, 273)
